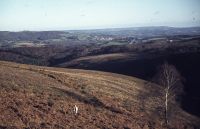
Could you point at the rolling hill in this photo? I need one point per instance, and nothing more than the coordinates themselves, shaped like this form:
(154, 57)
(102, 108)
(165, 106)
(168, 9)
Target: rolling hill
(44, 97)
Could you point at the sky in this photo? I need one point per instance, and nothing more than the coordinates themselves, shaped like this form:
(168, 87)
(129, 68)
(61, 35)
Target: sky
(18, 15)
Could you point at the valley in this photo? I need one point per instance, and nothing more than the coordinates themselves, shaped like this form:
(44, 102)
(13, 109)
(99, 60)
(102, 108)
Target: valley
(108, 73)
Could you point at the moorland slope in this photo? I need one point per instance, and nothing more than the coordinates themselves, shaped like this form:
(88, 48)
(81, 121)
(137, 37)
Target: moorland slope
(44, 97)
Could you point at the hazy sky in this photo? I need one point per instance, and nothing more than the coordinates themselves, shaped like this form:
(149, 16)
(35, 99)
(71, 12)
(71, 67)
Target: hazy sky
(16, 15)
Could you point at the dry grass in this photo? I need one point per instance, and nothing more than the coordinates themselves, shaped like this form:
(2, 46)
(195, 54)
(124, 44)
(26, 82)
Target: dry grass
(28, 44)
(42, 97)
(100, 58)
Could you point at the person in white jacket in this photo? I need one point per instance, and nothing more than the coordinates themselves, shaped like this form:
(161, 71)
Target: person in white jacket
(75, 109)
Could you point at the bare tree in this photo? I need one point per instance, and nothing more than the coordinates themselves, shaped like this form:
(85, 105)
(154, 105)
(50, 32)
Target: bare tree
(170, 78)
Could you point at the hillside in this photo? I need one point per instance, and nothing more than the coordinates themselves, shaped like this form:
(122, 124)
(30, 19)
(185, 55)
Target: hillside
(43, 97)
(145, 65)
(97, 59)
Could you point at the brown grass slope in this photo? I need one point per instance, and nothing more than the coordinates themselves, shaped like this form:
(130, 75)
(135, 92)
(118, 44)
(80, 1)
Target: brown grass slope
(42, 97)
(97, 59)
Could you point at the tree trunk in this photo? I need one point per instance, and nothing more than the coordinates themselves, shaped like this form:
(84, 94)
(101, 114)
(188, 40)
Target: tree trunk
(166, 107)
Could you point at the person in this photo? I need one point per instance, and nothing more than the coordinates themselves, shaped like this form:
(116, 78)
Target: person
(75, 109)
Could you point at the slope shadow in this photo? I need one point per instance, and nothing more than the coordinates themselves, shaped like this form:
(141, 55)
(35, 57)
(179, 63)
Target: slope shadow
(91, 100)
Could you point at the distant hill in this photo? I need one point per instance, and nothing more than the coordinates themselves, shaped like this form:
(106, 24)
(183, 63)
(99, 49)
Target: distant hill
(145, 31)
(44, 97)
(141, 32)
(30, 35)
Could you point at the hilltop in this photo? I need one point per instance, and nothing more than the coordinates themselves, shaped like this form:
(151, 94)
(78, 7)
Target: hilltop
(44, 97)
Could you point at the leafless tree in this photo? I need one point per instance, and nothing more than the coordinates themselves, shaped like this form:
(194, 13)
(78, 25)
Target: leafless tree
(170, 79)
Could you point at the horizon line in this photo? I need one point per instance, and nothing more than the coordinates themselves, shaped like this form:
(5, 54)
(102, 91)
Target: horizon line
(88, 29)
